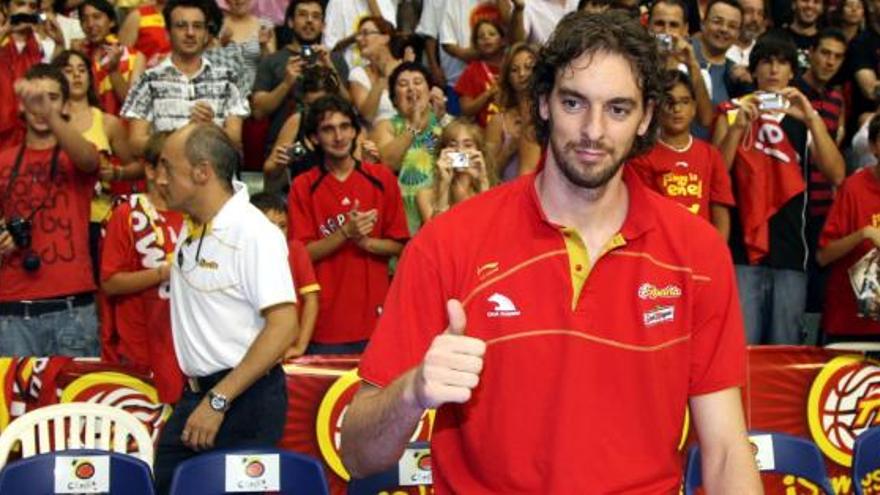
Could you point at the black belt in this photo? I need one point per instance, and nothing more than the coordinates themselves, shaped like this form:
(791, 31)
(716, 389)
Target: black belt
(39, 307)
(199, 384)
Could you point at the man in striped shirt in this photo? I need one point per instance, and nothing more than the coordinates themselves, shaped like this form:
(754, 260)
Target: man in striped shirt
(825, 58)
(185, 87)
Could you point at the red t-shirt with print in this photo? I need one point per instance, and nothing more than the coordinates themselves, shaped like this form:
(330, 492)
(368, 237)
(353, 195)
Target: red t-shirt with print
(139, 237)
(694, 177)
(58, 205)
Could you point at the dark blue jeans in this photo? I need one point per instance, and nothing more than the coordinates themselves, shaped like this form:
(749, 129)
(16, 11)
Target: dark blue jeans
(773, 303)
(256, 419)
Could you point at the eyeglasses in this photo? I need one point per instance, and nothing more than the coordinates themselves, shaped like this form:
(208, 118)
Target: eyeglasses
(365, 33)
(183, 25)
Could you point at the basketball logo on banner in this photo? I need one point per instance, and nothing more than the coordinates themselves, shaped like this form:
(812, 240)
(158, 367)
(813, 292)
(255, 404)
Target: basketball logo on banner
(844, 401)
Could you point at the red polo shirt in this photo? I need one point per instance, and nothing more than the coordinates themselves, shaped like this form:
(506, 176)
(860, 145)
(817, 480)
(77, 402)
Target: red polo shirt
(588, 366)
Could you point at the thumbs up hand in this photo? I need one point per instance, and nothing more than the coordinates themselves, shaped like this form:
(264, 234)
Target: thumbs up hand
(451, 367)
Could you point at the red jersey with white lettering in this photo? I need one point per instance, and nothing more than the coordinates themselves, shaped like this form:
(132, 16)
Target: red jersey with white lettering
(589, 364)
(694, 177)
(353, 281)
(140, 237)
(58, 206)
(301, 268)
(856, 205)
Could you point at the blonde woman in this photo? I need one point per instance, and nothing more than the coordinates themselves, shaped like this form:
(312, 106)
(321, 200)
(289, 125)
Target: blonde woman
(462, 169)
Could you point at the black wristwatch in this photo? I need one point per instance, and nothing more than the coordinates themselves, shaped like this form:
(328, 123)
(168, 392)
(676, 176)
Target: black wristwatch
(218, 402)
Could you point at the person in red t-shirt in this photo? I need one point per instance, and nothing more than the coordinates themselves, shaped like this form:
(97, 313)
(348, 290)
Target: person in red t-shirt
(304, 279)
(686, 169)
(135, 268)
(851, 230)
(350, 217)
(478, 85)
(562, 323)
(46, 284)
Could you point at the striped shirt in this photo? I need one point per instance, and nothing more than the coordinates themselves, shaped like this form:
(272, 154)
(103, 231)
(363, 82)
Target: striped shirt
(828, 103)
(165, 96)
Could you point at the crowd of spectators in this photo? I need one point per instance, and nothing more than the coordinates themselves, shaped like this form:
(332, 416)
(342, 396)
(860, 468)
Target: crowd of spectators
(365, 119)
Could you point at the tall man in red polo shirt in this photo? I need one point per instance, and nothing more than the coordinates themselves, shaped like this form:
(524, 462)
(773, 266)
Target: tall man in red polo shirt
(563, 361)
(350, 217)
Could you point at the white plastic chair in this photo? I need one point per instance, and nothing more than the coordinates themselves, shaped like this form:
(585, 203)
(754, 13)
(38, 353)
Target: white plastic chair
(77, 425)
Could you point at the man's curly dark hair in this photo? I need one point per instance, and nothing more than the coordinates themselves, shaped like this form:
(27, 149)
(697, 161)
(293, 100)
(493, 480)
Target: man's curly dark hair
(615, 32)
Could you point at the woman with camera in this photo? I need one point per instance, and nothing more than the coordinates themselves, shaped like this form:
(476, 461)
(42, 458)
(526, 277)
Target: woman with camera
(463, 169)
(408, 142)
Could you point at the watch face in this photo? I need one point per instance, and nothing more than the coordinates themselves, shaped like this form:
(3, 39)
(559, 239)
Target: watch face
(218, 403)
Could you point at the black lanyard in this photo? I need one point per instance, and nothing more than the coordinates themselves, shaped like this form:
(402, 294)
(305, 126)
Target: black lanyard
(16, 169)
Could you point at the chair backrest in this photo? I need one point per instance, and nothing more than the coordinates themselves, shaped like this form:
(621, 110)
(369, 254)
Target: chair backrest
(80, 470)
(255, 470)
(77, 425)
(415, 461)
(866, 457)
(783, 453)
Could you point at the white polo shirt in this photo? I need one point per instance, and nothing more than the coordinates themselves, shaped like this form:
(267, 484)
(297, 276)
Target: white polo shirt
(216, 300)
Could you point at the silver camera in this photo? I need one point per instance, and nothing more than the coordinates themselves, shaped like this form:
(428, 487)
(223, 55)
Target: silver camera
(665, 42)
(771, 101)
(459, 160)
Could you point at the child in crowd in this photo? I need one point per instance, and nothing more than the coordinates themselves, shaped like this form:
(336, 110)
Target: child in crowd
(685, 168)
(851, 230)
(461, 171)
(303, 272)
(136, 265)
(478, 85)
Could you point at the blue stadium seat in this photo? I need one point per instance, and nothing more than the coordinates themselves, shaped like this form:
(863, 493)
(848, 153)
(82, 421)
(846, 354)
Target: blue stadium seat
(866, 457)
(35, 475)
(206, 474)
(792, 455)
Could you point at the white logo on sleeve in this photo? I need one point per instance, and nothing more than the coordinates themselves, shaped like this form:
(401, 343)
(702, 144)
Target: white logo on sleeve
(504, 307)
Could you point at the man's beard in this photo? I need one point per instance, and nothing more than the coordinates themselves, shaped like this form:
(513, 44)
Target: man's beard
(302, 41)
(594, 177)
(750, 33)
